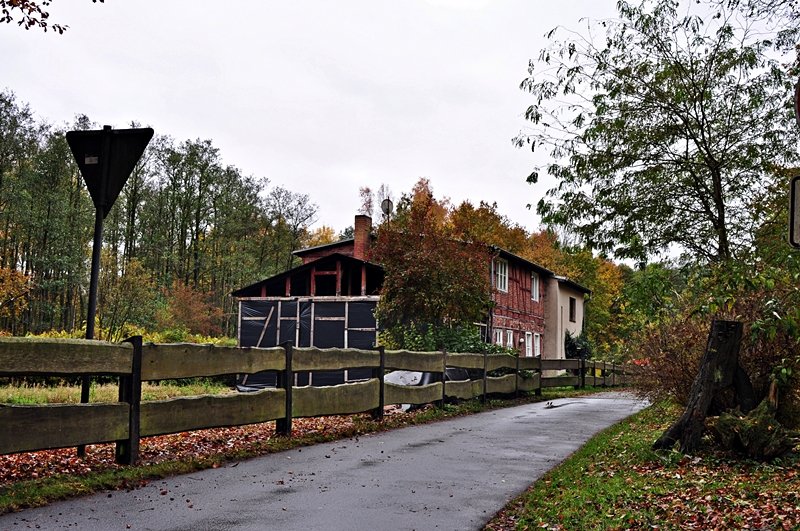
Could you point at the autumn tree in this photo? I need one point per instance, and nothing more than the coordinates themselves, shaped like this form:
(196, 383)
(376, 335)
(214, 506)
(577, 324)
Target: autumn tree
(13, 295)
(432, 280)
(662, 128)
(484, 224)
(320, 236)
(189, 310)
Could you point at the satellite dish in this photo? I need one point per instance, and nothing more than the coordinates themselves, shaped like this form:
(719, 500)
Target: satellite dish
(387, 206)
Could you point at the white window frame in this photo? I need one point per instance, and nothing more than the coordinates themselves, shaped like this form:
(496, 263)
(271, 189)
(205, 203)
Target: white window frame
(535, 286)
(528, 344)
(498, 336)
(510, 338)
(501, 275)
(537, 345)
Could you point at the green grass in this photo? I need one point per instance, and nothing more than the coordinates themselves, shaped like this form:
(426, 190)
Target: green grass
(34, 394)
(585, 493)
(40, 492)
(616, 481)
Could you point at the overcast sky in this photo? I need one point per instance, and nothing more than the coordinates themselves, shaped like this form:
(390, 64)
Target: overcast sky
(320, 97)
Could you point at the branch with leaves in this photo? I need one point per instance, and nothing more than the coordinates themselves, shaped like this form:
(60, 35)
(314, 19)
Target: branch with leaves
(31, 14)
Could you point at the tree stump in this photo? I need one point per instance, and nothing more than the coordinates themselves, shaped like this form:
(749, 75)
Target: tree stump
(757, 435)
(719, 369)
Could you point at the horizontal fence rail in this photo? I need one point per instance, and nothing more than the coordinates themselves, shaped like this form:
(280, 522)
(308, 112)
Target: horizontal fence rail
(30, 428)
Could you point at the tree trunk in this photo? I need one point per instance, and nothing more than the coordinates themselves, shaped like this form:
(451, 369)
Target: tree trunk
(719, 369)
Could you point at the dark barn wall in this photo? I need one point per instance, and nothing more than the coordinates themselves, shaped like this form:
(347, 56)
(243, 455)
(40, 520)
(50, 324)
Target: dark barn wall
(322, 323)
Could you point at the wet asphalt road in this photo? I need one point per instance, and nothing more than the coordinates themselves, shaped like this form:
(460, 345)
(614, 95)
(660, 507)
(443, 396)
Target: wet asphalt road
(451, 475)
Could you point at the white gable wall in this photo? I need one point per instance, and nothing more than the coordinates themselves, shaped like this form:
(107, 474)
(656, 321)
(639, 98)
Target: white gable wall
(557, 317)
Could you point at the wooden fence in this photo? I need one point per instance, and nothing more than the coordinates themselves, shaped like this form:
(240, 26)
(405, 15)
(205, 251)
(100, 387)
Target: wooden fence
(29, 428)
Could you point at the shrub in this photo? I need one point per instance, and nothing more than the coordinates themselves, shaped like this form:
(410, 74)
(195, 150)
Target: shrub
(764, 299)
(426, 337)
(578, 347)
(670, 358)
(190, 310)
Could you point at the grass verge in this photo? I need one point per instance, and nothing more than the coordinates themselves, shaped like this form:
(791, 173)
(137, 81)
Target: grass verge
(36, 394)
(616, 481)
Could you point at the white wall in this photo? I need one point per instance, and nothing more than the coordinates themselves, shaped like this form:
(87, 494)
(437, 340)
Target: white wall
(557, 322)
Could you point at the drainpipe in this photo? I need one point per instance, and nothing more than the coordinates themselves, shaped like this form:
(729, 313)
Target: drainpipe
(490, 331)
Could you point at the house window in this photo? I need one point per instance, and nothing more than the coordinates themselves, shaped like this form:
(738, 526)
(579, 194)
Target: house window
(535, 286)
(537, 345)
(572, 310)
(528, 344)
(483, 331)
(501, 275)
(510, 338)
(498, 337)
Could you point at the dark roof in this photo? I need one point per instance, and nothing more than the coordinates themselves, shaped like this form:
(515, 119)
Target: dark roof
(254, 290)
(572, 284)
(301, 252)
(561, 279)
(506, 254)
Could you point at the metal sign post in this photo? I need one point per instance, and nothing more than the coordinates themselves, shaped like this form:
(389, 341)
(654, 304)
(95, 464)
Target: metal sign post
(794, 212)
(106, 159)
(794, 188)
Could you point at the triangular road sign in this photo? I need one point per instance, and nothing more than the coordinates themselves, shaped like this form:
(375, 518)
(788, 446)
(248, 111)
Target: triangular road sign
(106, 158)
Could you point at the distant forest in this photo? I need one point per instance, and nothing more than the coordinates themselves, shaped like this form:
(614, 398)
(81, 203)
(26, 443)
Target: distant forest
(186, 230)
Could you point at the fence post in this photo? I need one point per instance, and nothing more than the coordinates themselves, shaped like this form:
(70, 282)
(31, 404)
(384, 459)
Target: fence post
(583, 373)
(485, 364)
(605, 374)
(286, 380)
(538, 390)
(613, 373)
(516, 379)
(377, 413)
(578, 384)
(130, 390)
(444, 376)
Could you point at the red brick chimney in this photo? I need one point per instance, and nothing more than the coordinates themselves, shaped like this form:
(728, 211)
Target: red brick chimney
(361, 231)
